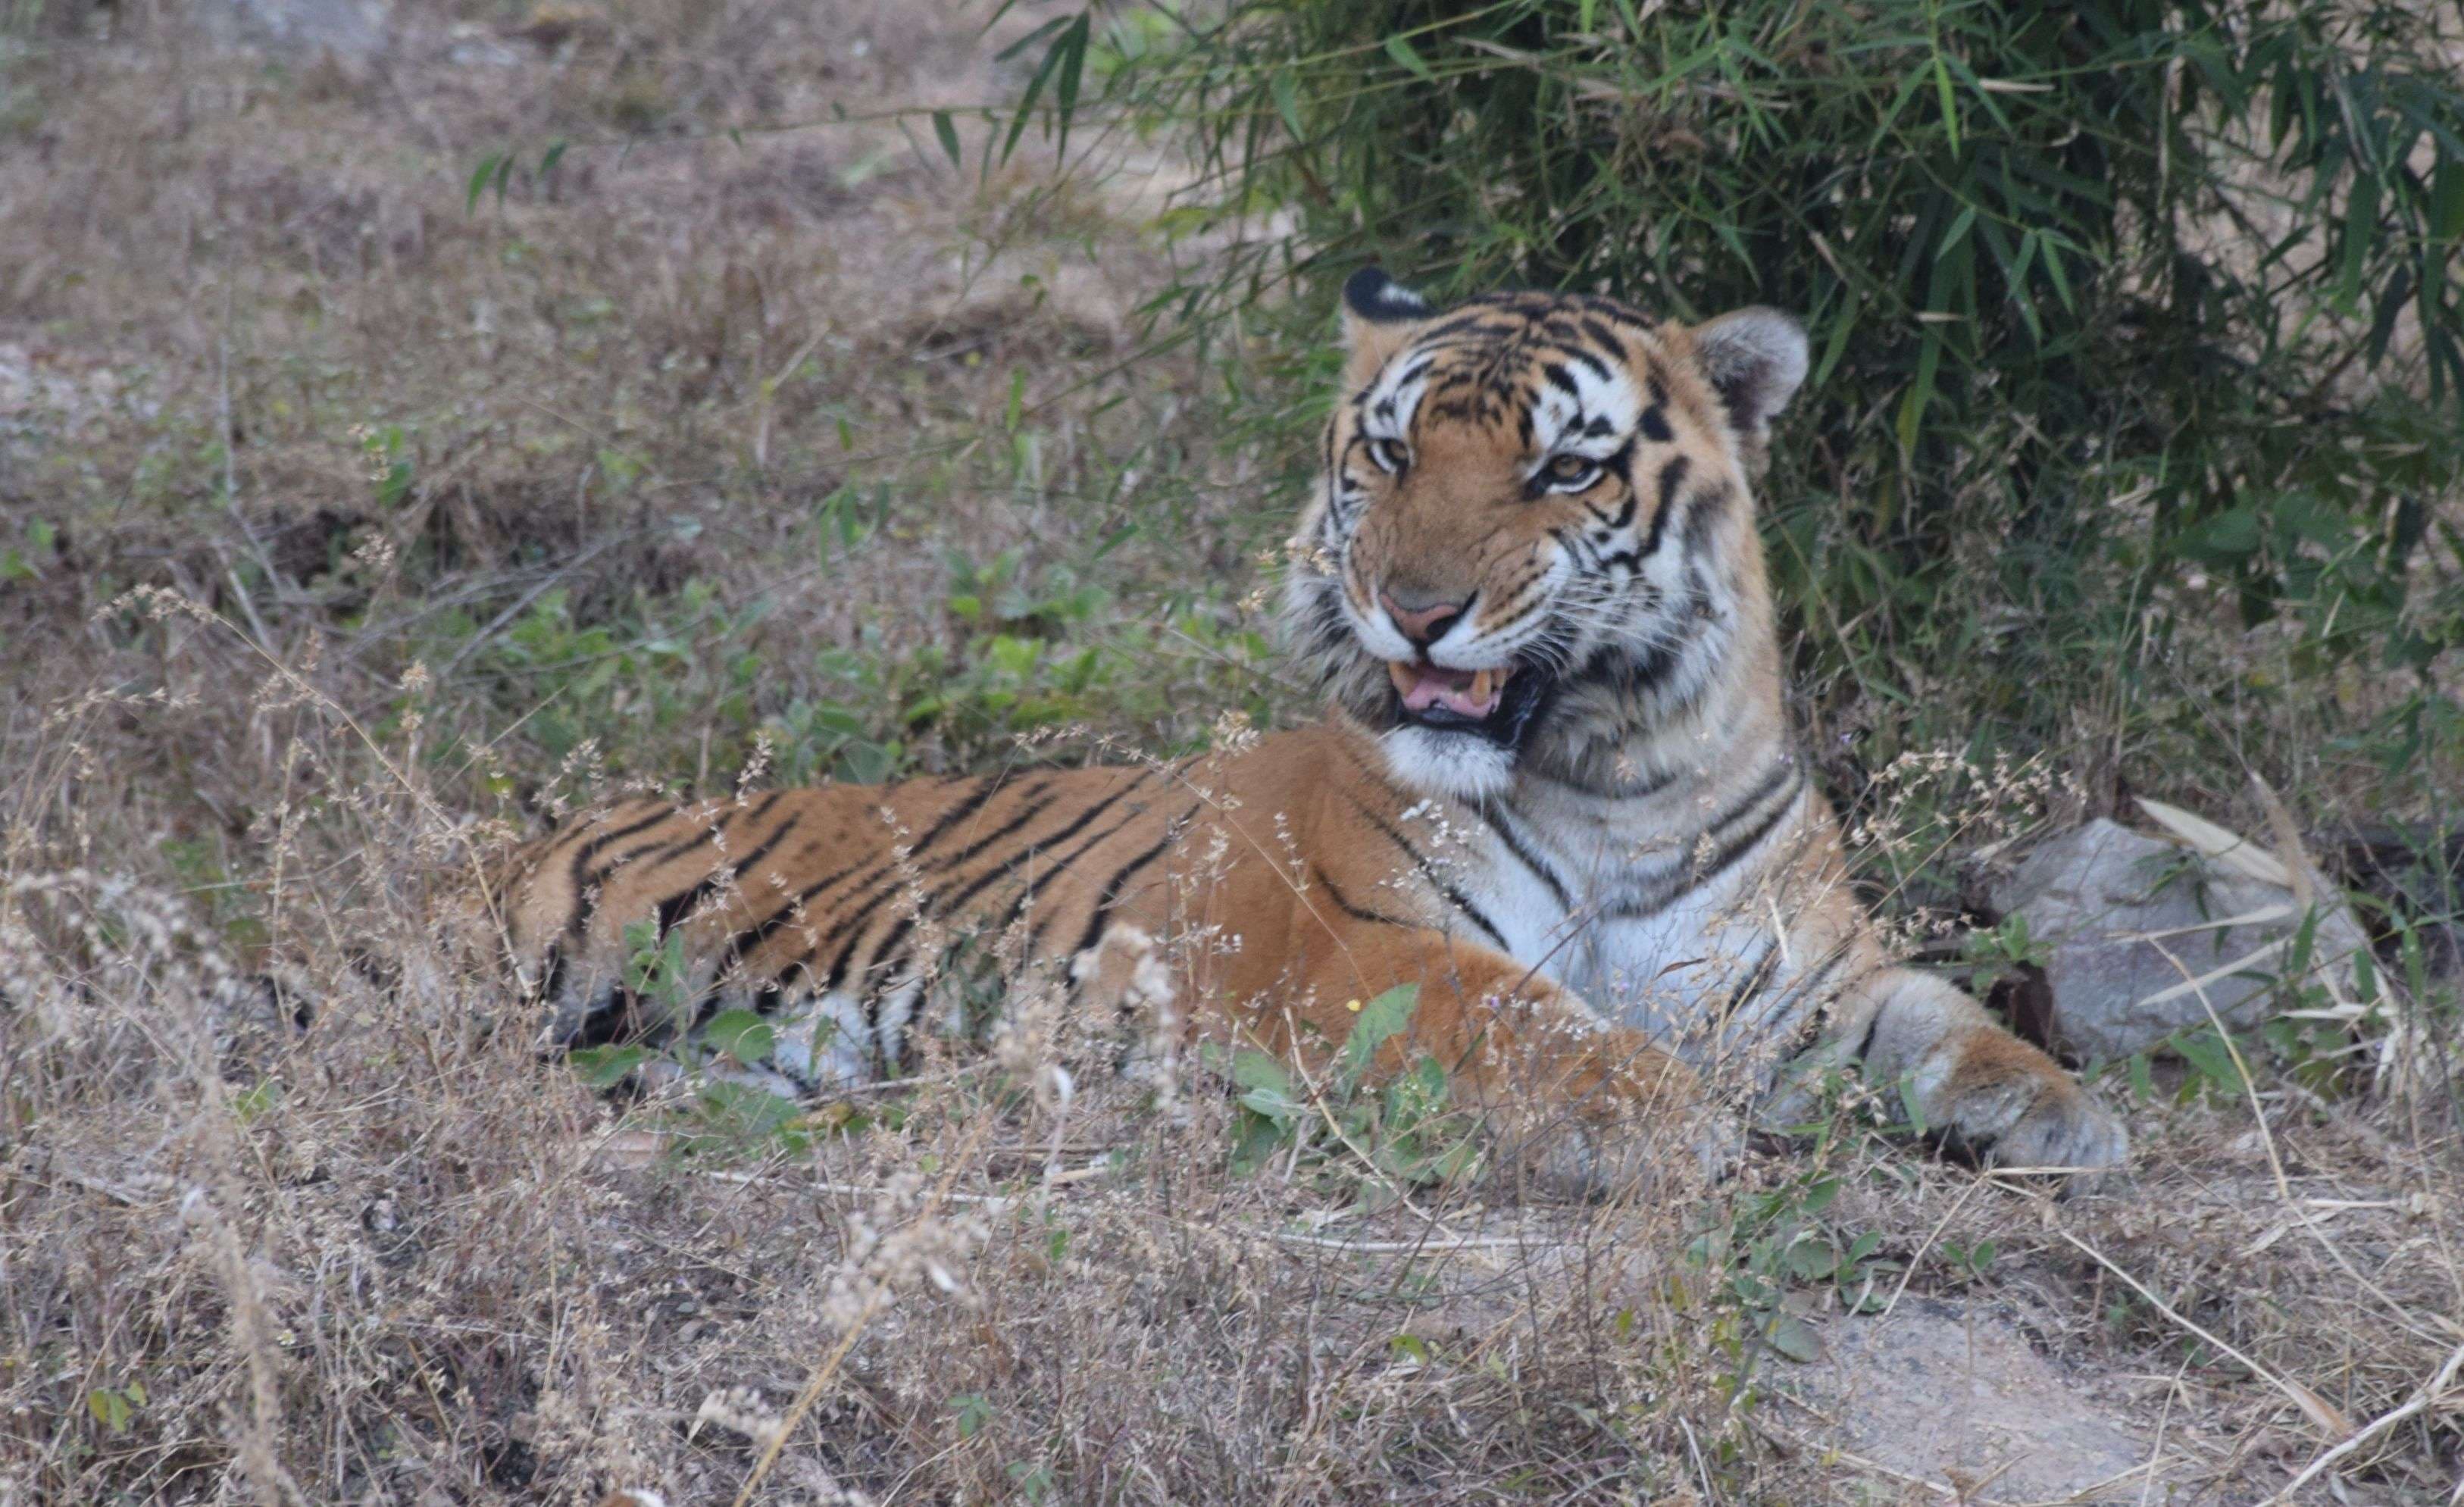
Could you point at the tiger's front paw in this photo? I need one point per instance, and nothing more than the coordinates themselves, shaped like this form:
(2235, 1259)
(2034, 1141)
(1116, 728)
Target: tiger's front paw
(2067, 1130)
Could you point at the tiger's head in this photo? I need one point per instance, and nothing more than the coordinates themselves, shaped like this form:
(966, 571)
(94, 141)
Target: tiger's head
(1534, 529)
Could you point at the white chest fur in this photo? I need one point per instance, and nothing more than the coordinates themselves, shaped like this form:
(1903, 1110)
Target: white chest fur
(1654, 910)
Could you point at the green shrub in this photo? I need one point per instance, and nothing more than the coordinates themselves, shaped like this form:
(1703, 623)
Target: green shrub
(2133, 322)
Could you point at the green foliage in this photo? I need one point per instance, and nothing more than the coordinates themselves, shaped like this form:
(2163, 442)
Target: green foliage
(1023, 655)
(1775, 1249)
(34, 556)
(1969, 1261)
(1376, 1141)
(113, 1407)
(607, 1066)
(2128, 319)
(721, 1114)
(254, 1103)
(741, 1037)
(656, 967)
(2001, 952)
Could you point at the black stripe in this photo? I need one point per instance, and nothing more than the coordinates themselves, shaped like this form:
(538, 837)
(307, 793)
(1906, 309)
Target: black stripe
(710, 830)
(1707, 510)
(1783, 781)
(673, 850)
(1109, 893)
(991, 784)
(1343, 903)
(1782, 772)
(1474, 318)
(552, 976)
(854, 925)
(1428, 871)
(1530, 605)
(1600, 368)
(746, 941)
(1672, 475)
(625, 860)
(1750, 988)
(1654, 424)
(1035, 938)
(1632, 790)
(1054, 871)
(1034, 808)
(1075, 827)
(887, 959)
(1820, 975)
(677, 908)
(583, 855)
(1729, 855)
(586, 889)
(1619, 463)
(1504, 827)
(1680, 879)
(762, 809)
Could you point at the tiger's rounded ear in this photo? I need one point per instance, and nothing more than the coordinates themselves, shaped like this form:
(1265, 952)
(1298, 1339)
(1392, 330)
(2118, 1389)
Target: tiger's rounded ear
(1372, 297)
(1756, 360)
(1378, 317)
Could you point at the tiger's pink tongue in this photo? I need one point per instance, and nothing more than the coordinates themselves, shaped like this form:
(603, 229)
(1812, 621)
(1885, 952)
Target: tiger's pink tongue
(1466, 693)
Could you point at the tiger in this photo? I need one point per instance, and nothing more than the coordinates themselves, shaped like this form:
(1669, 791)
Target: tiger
(1555, 792)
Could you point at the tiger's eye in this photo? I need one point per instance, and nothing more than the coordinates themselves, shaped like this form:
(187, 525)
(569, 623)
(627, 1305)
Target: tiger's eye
(1570, 469)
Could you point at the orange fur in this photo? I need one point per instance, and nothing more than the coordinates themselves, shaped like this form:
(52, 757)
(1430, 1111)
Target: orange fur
(1274, 903)
(1556, 780)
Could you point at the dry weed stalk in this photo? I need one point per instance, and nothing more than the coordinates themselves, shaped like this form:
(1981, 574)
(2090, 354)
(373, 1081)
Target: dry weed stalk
(407, 1273)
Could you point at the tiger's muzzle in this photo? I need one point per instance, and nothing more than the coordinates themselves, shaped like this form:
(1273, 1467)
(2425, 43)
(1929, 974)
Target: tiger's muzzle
(1500, 705)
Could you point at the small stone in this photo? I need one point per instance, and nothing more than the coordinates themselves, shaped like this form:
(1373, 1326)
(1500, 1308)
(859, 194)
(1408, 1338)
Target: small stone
(2125, 919)
(348, 29)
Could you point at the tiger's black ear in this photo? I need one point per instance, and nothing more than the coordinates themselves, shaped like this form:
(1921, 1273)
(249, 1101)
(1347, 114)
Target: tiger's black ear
(1370, 295)
(1379, 317)
(1756, 360)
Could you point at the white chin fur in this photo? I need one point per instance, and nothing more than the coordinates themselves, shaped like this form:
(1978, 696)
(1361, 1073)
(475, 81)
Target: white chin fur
(1462, 765)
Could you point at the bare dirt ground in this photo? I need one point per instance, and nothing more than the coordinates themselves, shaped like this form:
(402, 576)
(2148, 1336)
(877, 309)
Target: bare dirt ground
(353, 511)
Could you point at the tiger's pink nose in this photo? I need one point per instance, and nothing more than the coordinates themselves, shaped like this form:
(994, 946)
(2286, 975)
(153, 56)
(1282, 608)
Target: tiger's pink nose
(1425, 624)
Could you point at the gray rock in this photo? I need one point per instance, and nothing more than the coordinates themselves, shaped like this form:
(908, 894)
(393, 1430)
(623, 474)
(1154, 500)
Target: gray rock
(2124, 919)
(348, 29)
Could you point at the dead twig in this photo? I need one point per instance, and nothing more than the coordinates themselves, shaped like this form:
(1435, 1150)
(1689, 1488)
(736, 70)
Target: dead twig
(2312, 1406)
(2428, 1396)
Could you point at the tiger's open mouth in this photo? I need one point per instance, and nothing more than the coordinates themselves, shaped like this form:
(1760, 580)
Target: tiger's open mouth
(1496, 704)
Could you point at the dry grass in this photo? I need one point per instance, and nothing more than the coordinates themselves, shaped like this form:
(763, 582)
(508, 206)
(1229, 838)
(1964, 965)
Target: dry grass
(290, 1211)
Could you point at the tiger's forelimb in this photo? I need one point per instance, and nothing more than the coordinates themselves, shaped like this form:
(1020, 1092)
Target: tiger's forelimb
(1972, 1082)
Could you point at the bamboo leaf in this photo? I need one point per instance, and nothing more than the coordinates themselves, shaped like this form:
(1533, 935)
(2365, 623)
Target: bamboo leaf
(1403, 52)
(487, 170)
